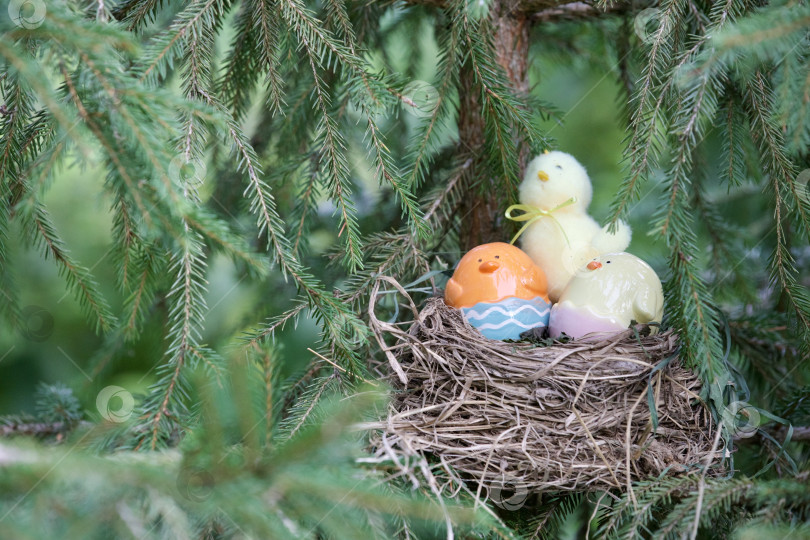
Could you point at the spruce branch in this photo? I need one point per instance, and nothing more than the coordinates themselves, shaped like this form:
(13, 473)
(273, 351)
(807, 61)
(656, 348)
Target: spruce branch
(336, 168)
(12, 127)
(32, 75)
(190, 22)
(146, 269)
(645, 140)
(137, 13)
(773, 151)
(735, 142)
(387, 173)
(503, 112)
(187, 310)
(781, 172)
(306, 201)
(113, 153)
(267, 18)
(241, 69)
(422, 144)
(39, 230)
(341, 325)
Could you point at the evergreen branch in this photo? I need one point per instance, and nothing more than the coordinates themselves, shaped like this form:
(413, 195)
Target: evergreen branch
(305, 202)
(166, 47)
(263, 204)
(780, 171)
(422, 142)
(494, 84)
(337, 169)
(341, 325)
(643, 148)
(310, 399)
(141, 295)
(502, 111)
(768, 33)
(554, 514)
(384, 167)
(801, 116)
(37, 79)
(197, 74)
(137, 12)
(156, 153)
(697, 110)
(12, 127)
(772, 149)
(444, 197)
(396, 255)
(682, 515)
(252, 341)
(314, 36)
(113, 154)
(241, 66)
(267, 25)
(696, 317)
(725, 247)
(52, 152)
(40, 230)
(628, 517)
(220, 235)
(186, 314)
(11, 140)
(339, 18)
(126, 238)
(385, 170)
(734, 144)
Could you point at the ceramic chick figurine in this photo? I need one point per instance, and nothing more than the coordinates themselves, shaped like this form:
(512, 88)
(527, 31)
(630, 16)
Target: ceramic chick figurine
(499, 290)
(563, 241)
(606, 295)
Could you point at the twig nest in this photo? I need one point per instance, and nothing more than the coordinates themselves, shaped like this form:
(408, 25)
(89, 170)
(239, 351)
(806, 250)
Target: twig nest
(570, 416)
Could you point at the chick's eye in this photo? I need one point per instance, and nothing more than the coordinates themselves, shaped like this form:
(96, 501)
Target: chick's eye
(497, 256)
(479, 260)
(558, 167)
(608, 262)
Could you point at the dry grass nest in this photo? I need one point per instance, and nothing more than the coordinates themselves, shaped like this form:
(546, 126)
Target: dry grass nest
(569, 416)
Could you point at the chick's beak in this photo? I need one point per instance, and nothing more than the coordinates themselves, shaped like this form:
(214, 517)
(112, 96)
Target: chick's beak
(593, 265)
(488, 267)
(542, 175)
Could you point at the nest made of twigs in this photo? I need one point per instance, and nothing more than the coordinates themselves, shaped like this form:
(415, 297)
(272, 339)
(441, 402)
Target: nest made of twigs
(570, 416)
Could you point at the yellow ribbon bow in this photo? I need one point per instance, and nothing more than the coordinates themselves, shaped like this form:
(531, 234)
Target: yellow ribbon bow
(532, 213)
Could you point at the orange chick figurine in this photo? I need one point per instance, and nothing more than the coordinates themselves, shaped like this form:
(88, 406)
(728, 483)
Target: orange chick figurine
(500, 291)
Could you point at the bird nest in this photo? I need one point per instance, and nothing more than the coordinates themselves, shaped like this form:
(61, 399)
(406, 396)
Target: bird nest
(567, 416)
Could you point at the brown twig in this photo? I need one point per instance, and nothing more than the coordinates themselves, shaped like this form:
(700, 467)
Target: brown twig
(39, 429)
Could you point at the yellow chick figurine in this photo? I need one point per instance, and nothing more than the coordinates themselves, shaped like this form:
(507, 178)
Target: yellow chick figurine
(607, 294)
(567, 238)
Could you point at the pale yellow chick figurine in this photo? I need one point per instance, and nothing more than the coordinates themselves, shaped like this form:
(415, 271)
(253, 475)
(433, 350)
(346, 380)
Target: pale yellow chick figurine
(607, 294)
(567, 239)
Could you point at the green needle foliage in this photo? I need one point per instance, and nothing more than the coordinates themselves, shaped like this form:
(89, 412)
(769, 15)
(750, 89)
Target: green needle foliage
(247, 129)
(235, 475)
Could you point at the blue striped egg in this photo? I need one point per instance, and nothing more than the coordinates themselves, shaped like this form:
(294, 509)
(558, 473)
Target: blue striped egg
(508, 318)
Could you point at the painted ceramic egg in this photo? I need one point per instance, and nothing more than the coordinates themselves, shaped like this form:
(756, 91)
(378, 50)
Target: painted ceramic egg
(606, 295)
(500, 291)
